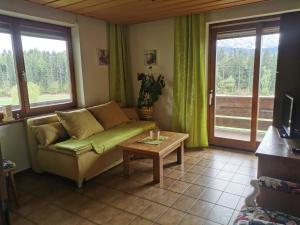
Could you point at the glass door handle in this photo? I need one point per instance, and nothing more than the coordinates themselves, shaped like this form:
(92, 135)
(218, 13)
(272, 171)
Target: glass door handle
(211, 95)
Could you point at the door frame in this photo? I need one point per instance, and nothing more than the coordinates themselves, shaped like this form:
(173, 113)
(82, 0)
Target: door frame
(214, 29)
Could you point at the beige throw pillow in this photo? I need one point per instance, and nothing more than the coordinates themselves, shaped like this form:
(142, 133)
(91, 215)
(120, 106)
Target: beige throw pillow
(131, 113)
(50, 133)
(109, 114)
(79, 124)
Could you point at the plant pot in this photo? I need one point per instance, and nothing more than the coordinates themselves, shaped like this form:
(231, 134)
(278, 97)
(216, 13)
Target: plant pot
(146, 112)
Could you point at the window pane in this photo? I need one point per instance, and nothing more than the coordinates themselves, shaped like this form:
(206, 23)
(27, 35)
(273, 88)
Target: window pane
(267, 78)
(9, 91)
(233, 86)
(47, 70)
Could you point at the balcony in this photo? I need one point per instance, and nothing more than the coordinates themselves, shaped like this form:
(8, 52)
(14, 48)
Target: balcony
(233, 116)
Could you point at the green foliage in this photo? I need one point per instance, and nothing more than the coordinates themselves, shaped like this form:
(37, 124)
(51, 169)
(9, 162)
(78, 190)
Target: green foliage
(150, 89)
(234, 71)
(5, 88)
(33, 91)
(14, 94)
(54, 87)
(227, 84)
(265, 84)
(49, 71)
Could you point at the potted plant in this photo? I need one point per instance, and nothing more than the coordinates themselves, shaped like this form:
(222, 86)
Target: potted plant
(150, 91)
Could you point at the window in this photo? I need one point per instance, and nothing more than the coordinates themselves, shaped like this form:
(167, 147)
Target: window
(8, 78)
(36, 67)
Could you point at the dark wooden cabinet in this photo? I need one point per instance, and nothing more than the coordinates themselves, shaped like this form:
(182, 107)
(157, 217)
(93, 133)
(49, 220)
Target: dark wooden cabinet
(276, 158)
(288, 66)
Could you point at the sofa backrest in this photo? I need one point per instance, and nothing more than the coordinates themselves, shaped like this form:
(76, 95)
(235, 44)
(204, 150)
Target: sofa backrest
(31, 139)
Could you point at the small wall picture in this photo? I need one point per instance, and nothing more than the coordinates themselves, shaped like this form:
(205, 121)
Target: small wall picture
(103, 56)
(150, 57)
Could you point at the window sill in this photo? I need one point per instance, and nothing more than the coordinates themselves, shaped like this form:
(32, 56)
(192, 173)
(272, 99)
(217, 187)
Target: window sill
(11, 122)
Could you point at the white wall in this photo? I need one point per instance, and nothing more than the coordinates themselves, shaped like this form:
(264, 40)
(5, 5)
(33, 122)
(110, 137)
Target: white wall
(159, 35)
(92, 80)
(95, 77)
(13, 144)
(154, 35)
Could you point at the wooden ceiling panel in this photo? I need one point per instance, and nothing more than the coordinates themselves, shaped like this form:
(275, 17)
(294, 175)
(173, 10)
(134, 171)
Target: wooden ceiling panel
(59, 4)
(121, 13)
(167, 5)
(84, 4)
(179, 12)
(136, 11)
(103, 7)
(42, 2)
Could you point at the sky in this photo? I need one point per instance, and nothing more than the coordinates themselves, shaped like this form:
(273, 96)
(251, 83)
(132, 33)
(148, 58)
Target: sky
(33, 42)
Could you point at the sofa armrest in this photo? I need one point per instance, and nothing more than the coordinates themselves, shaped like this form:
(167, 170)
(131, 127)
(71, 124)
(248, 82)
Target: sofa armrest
(263, 216)
(270, 183)
(256, 222)
(250, 200)
(31, 140)
(279, 185)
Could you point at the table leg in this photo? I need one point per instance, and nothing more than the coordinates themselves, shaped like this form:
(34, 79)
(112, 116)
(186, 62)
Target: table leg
(158, 168)
(13, 184)
(180, 154)
(126, 159)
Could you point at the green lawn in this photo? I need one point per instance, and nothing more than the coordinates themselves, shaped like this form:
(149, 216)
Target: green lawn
(5, 101)
(41, 98)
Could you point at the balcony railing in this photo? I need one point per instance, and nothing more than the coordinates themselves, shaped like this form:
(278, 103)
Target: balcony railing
(234, 113)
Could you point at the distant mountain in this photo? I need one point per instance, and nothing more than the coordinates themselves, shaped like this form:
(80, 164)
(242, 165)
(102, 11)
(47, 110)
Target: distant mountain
(269, 41)
(248, 50)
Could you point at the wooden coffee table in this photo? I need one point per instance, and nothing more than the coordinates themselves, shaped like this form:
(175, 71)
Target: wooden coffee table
(174, 142)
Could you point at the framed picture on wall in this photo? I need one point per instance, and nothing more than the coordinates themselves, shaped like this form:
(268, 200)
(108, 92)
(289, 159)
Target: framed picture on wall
(150, 57)
(102, 56)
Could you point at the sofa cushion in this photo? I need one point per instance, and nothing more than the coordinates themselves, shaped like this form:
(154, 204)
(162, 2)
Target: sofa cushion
(107, 139)
(109, 114)
(131, 113)
(279, 185)
(50, 133)
(80, 123)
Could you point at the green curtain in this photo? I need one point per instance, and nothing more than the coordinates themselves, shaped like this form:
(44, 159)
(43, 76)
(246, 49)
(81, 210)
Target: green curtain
(119, 76)
(189, 106)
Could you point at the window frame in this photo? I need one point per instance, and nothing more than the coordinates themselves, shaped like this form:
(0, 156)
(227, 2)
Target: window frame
(16, 26)
(259, 24)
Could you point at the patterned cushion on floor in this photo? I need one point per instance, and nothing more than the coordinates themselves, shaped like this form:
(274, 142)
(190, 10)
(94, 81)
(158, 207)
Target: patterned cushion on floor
(279, 185)
(260, 216)
(7, 164)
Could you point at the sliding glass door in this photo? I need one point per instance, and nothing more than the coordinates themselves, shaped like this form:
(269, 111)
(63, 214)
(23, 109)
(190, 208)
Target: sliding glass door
(267, 78)
(242, 74)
